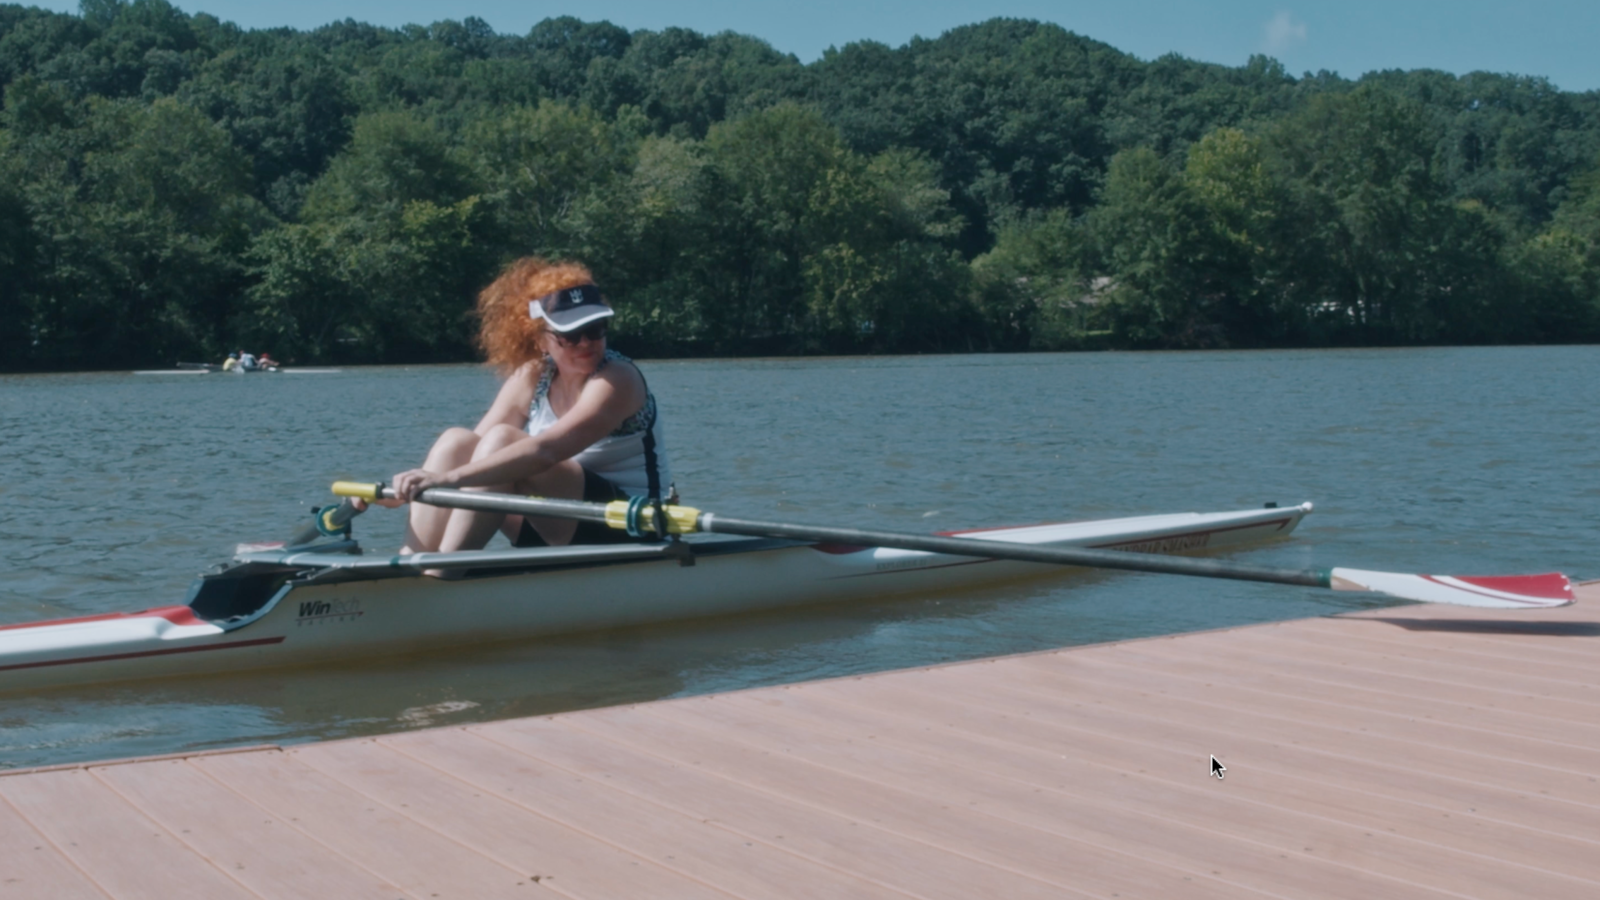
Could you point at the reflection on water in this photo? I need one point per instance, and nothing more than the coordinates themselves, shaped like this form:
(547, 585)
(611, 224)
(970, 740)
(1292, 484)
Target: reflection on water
(116, 489)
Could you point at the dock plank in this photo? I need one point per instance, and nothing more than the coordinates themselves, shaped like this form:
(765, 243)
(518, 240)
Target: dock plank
(1291, 726)
(1055, 720)
(1218, 810)
(907, 840)
(698, 847)
(1194, 664)
(1087, 863)
(1373, 658)
(1146, 773)
(32, 868)
(1063, 799)
(264, 853)
(554, 856)
(126, 852)
(1271, 657)
(1541, 677)
(1112, 672)
(1550, 643)
(374, 837)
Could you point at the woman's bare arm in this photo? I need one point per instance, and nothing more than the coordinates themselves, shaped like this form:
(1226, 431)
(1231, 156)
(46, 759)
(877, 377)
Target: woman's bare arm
(606, 401)
(510, 406)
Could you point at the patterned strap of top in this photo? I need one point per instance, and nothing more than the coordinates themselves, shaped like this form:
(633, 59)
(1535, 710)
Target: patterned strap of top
(633, 424)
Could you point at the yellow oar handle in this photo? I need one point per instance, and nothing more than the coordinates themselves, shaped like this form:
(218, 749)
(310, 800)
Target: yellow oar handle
(358, 489)
(680, 519)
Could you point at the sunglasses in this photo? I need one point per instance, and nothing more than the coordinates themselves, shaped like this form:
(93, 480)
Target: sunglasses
(594, 332)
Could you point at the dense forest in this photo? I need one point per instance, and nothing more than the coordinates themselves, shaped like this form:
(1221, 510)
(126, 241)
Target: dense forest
(174, 186)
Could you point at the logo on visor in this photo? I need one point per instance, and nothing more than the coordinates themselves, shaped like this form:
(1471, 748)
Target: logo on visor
(576, 296)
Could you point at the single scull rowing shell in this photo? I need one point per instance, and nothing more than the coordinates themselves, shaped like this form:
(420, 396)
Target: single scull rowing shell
(284, 607)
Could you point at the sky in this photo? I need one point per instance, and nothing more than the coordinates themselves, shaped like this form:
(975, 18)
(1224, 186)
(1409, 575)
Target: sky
(1557, 39)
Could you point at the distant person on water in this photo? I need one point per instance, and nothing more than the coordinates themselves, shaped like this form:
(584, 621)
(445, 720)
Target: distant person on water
(572, 420)
(229, 363)
(267, 362)
(247, 361)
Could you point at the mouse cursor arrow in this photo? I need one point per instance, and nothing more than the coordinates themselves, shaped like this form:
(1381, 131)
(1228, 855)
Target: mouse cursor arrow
(1217, 768)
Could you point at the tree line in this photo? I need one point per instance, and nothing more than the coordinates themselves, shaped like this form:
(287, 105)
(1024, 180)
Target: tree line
(174, 186)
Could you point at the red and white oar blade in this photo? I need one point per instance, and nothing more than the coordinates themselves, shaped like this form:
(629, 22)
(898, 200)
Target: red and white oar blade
(1493, 592)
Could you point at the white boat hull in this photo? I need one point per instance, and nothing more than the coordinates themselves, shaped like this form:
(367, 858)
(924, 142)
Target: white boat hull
(323, 606)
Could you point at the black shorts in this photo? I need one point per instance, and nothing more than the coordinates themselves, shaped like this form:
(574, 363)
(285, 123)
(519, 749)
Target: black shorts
(596, 489)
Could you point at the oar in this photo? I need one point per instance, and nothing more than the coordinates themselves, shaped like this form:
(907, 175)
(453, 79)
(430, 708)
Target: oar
(1501, 592)
(329, 521)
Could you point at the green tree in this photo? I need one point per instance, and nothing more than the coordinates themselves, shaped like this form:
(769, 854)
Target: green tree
(1009, 109)
(1154, 238)
(539, 166)
(647, 237)
(393, 158)
(1242, 252)
(1035, 289)
(771, 235)
(398, 219)
(285, 105)
(1382, 253)
(763, 171)
(18, 265)
(565, 47)
(1557, 272)
(880, 273)
(139, 216)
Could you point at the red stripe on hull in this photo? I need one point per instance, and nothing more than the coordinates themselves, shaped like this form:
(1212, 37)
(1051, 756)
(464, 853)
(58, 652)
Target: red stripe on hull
(177, 615)
(233, 645)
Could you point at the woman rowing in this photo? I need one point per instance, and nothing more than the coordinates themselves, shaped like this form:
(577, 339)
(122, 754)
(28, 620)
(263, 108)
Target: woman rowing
(573, 420)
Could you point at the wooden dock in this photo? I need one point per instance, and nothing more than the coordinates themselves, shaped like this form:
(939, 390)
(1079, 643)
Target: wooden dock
(1425, 752)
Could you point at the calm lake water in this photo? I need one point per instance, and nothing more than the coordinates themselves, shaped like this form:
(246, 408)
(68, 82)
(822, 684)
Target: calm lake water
(116, 489)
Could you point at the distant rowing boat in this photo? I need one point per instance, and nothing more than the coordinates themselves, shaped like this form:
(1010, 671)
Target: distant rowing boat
(215, 369)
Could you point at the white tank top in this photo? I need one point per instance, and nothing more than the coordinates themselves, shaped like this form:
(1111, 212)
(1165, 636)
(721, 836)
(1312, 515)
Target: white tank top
(633, 457)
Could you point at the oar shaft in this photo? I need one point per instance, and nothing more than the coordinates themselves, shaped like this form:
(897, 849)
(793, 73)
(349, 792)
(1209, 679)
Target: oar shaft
(955, 546)
(1068, 556)
(638, 517)
(523, 506)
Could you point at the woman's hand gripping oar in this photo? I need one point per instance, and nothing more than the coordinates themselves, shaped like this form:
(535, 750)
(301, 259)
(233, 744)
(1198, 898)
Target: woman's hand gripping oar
(1499, 592)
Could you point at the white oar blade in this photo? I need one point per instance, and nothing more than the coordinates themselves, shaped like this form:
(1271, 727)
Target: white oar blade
(1492, 592)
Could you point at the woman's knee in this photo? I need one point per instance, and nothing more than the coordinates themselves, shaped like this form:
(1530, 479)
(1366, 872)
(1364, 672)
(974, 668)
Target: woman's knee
(498, 438)
(453, 448)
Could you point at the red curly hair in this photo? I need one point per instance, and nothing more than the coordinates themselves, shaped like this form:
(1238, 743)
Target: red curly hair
(508, 336)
